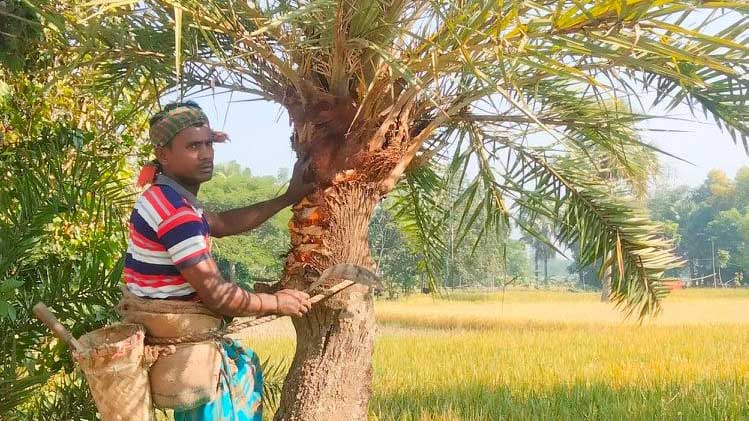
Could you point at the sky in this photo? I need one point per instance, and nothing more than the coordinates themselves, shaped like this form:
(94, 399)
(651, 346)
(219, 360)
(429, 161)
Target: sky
(260, 131)
(700, 142)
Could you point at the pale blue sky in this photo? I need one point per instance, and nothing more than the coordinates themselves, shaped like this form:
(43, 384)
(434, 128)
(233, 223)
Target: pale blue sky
(260, 133)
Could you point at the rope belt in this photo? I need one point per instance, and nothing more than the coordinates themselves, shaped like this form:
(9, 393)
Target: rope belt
(234, 327)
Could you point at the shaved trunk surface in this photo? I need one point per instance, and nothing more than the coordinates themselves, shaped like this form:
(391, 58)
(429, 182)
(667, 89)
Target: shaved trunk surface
(331, 375)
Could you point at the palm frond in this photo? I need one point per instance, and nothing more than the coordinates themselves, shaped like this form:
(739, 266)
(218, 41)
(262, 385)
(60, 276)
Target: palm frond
(608, 227)
(274, 373)
(477, 78)
(62, 232)
(421, 216)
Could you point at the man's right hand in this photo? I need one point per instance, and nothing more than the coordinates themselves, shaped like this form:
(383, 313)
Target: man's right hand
(227, 298)
(292, 302)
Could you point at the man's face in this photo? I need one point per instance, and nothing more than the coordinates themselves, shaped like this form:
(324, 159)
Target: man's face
(189, 156)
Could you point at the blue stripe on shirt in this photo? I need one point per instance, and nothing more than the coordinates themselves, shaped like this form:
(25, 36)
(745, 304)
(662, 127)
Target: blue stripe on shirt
(182, 232)
(150, 268)
(142, 227)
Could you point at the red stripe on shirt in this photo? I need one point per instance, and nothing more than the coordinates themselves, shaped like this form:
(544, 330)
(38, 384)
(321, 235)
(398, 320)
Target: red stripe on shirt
(131, 276)
(133, 272)
(154, 202)
(177, 219)
(144, 242)
(160, 196)
(154, 283)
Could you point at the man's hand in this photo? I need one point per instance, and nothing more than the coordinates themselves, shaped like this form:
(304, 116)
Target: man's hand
(237, 221)
(229, 299)
(300, 185)
(292, 302)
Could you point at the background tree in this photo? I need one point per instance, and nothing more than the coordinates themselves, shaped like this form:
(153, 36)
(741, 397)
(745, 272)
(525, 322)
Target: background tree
(700, 220)
(541, 249)
(741, 182)
(395, 260)
(259, 253)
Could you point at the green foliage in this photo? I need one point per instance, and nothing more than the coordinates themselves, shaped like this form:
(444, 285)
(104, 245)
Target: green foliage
(711, 216)
(274, 374)
(493, 263)
(395, 259)
(445, 224)
(626, 170)
(62, 235)
(65, 156)
(20, 32)
(260, 252)
(742, 189)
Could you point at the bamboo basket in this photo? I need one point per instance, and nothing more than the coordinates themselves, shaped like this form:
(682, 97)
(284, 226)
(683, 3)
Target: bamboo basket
(115, 363)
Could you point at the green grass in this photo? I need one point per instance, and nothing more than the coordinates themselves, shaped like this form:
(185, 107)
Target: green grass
(555, 355)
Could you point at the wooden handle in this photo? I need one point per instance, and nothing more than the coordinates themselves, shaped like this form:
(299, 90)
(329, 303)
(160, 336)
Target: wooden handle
(333, 290)
(42, 313)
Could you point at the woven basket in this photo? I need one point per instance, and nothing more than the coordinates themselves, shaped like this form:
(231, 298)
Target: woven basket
(116, 368)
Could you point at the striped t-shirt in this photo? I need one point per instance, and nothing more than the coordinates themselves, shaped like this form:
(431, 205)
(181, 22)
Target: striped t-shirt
(168, 232)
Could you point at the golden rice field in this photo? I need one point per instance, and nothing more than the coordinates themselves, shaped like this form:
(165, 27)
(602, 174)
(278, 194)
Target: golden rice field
(553, 355)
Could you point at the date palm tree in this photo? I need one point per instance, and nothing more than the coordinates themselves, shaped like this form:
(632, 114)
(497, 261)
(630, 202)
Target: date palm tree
(379, 93)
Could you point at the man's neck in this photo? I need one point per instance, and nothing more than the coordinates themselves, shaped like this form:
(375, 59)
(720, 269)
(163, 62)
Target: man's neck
(191, 197)
(189, 186)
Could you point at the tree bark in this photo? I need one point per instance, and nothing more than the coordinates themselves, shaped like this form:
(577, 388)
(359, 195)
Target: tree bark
(606, 286)
(361, 158)
(331, 375)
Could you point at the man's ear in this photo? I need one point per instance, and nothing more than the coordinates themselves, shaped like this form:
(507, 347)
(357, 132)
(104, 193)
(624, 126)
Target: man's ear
(160, 152)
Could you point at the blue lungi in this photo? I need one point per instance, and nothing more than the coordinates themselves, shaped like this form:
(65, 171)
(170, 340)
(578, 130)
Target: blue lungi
(240, 389)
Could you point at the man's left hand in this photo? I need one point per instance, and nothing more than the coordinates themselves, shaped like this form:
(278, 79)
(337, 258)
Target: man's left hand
(299, 185)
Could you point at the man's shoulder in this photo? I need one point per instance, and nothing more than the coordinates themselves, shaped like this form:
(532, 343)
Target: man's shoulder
(160, 203)
(164, 197)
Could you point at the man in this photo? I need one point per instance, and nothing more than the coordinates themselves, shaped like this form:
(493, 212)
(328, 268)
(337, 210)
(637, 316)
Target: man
(169, 257)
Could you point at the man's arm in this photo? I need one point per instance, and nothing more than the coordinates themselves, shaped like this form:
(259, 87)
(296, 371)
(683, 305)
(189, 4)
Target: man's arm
(229, 299)
(237, 221)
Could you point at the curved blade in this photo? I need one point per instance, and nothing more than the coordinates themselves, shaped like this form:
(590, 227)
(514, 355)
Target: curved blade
(351, 272)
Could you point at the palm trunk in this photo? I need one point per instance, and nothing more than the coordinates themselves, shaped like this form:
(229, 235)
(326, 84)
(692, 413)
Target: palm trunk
(331, 375)
(606, 286)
